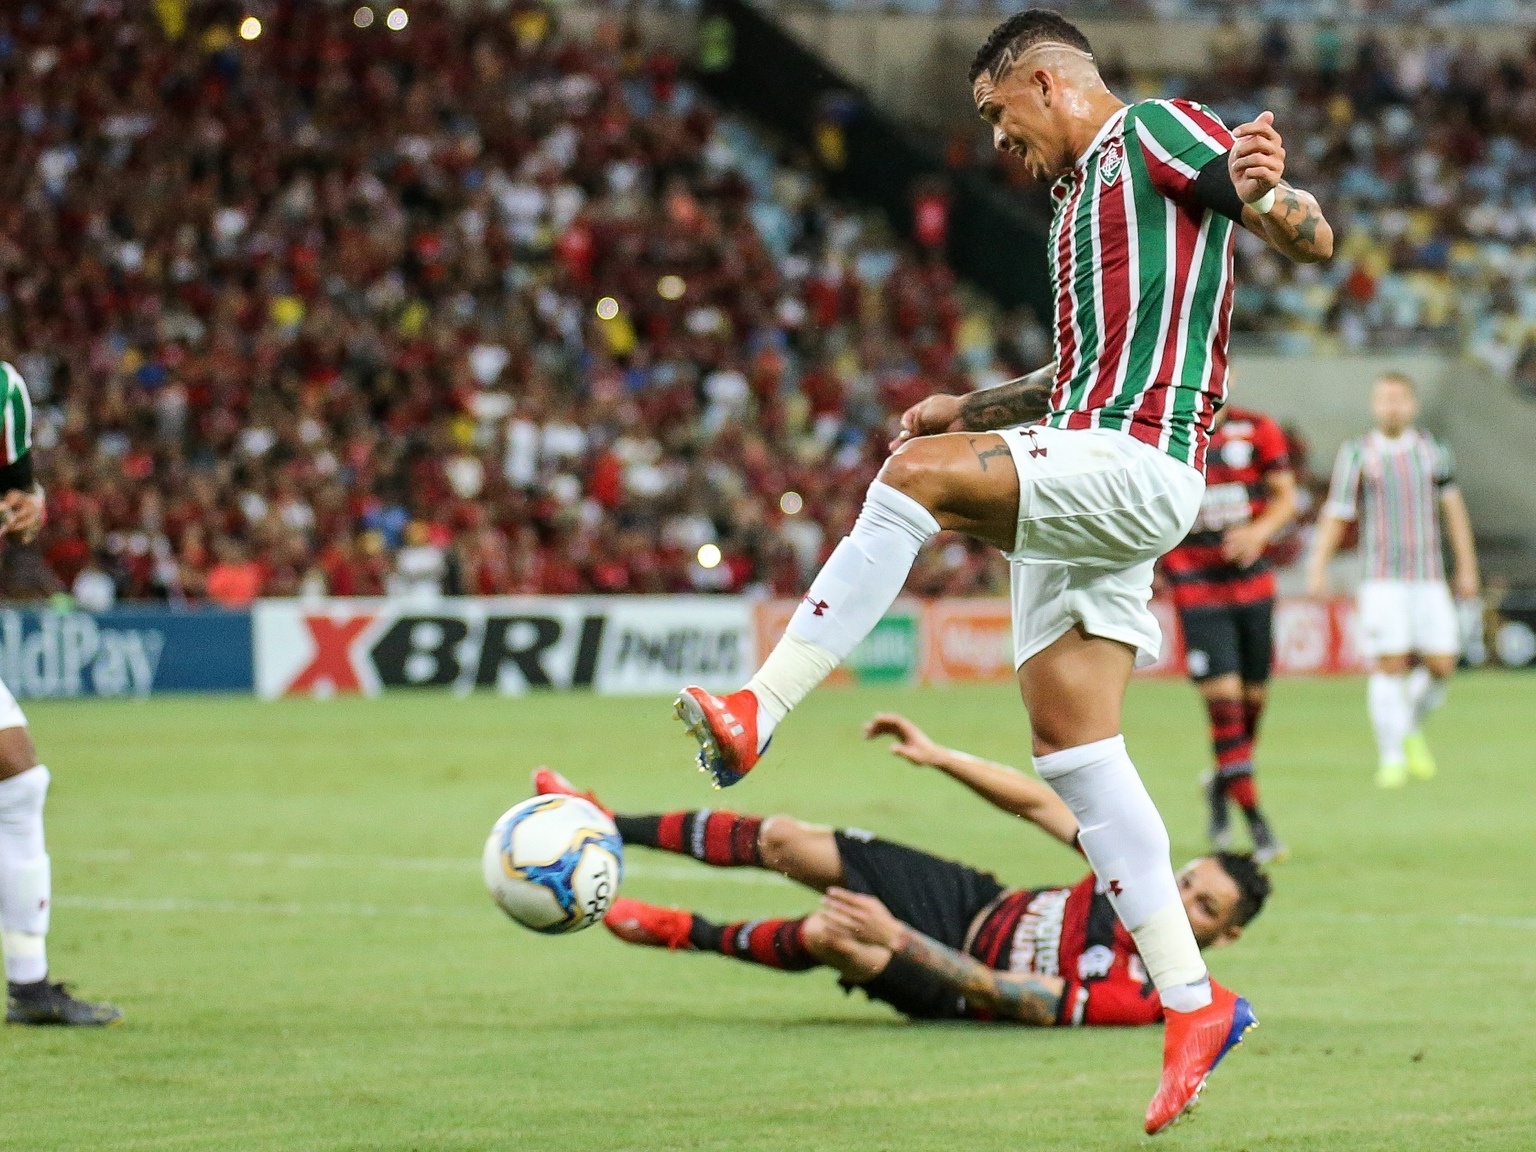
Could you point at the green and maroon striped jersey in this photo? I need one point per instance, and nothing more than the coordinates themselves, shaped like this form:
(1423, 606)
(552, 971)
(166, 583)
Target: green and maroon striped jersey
(1393, 487)
(1143, 281)
(16, 405)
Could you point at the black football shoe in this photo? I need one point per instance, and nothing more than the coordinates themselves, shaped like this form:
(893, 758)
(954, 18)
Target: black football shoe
(45, 1003)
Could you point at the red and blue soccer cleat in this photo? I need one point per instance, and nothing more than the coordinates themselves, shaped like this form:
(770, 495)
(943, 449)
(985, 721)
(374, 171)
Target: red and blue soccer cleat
(639, 923)
(726, 729)
(548, 782)
(1193, 1044)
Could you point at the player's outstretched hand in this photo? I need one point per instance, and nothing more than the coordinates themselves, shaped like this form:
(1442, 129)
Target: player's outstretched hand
(927, 417)
(1243, 544)
(21, 516)
(912, 743)
(862, 917)
(1257, 158)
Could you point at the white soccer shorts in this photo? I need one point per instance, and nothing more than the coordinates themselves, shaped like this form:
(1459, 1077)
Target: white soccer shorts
(1402, 616)
(1096, 510)
(11, 715)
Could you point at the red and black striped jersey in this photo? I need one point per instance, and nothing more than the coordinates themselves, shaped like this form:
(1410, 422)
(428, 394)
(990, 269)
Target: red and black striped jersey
(1072, 933)
(1244, 451)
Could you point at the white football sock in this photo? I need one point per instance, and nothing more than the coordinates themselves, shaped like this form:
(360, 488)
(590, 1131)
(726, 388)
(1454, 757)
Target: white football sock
(24, 876)
(860, 580)
(1387, 699)
(1123, 837)
(1426, 692)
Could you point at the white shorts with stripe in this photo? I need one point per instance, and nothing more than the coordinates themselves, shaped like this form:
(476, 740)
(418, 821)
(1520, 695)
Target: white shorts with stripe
(1402, 616)
(1096, 510)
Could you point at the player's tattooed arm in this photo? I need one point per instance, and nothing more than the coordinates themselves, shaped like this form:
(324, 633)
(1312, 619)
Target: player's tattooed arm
(1020, 401)
(1027, 999)
(857, 917)
(1293, 227)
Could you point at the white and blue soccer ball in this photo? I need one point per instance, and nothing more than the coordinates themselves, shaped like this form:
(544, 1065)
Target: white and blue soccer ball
(554, 863)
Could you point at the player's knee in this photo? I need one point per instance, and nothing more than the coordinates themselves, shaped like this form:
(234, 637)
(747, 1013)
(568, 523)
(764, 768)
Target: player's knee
(825, 941)
(918, 470)
(777, 841)
(1440, 666)
(16, 752)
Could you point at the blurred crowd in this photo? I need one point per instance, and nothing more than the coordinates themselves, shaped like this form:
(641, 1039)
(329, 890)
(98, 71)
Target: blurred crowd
(1424, 151)
(479, 305)
(473, 306)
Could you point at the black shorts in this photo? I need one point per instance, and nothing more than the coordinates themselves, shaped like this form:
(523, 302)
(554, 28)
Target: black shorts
(938, 897)
(1220, 640)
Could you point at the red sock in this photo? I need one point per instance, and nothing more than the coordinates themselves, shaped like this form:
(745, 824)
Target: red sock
(772, 943)
(1252, 710)
(1229, 736)
(723, 839)
(1244, 790)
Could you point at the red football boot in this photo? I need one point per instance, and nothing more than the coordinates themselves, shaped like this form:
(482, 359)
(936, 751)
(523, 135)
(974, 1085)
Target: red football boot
(1193, 1044)
(548, 782)
(726, 729)
(641, 923)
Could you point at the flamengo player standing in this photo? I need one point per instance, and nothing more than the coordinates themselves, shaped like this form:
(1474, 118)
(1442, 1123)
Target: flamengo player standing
(1224, 590)
(1146, 197)
(1398, 481)
(25, 878)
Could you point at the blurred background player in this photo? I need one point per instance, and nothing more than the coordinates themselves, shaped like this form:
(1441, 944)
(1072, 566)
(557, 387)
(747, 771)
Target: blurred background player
(1398, 481)
(933, 938)
(1224, 590)
(1146, 199)
(25, 878)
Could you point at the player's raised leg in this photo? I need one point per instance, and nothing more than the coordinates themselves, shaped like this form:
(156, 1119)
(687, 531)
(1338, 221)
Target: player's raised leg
(1074, 690)
(26, 887)
(1426, 686)
(965, 482)
(805, 853)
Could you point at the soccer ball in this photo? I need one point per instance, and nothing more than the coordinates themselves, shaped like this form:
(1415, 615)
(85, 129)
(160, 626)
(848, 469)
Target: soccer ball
(554, 863)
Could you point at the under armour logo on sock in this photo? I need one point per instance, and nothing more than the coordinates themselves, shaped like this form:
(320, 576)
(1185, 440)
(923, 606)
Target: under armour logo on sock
(1114, 888)
(820, 606)
(1036, 450)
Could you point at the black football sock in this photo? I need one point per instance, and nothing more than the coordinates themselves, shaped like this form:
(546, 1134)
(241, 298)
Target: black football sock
(772, 943)
(721, 838)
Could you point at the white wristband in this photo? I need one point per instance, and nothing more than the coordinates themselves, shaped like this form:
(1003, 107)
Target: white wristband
(1264, 203)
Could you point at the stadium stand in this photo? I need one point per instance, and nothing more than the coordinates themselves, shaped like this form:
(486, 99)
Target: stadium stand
(472, 308)
(483, 307)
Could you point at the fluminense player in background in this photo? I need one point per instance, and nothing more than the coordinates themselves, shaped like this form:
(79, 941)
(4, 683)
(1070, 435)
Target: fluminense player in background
(25, 878)
(1224, 590)
(1399, 482)
(1146, 198)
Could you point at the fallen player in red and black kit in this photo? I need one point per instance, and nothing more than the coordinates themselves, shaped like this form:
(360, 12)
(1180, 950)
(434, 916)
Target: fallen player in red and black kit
(933, 938)
(1224, 590)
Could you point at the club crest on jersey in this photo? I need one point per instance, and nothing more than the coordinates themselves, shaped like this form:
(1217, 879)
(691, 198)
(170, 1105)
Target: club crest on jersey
(1111, 162)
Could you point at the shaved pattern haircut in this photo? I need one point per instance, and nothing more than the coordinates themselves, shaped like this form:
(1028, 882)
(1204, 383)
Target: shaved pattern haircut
(1019, 33)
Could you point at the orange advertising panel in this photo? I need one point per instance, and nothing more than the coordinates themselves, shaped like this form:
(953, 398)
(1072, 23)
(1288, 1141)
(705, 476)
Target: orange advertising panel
(968, 641)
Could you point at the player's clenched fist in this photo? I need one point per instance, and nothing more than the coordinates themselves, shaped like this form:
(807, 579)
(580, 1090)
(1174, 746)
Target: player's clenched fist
(927, 417)
(1257, 158)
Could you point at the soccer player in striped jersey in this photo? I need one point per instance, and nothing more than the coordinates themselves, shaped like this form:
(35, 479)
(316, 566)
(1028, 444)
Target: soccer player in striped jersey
(25, 875)
(933, 938)
(1399, 483)
(1224, 590)
(1146, 198)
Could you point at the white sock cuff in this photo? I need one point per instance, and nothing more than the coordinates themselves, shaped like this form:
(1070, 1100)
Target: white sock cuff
(26, 956)
(897, 506)
(1057, 764)
(25, 791)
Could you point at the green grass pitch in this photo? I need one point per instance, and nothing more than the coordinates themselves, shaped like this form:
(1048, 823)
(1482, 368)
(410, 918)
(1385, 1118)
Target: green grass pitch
(286, 900)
